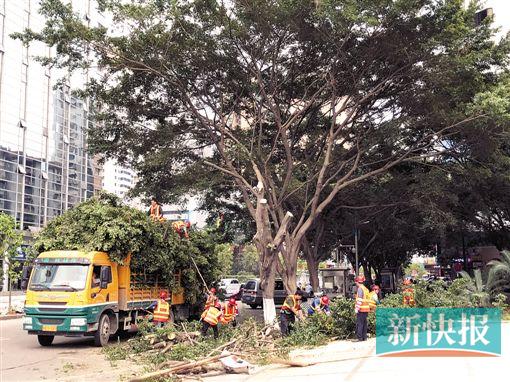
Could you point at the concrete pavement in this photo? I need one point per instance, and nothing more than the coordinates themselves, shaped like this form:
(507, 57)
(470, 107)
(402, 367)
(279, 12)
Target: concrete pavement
(68, 359)
(17, 301)
(360, 364)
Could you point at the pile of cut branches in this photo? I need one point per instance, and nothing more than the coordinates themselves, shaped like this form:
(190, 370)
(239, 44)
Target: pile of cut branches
(180, 349)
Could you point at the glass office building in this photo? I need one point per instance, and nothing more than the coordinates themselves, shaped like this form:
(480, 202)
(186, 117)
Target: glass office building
(44, 165)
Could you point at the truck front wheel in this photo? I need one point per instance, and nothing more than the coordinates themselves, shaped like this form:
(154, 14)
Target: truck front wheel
(102, 335)
(45, 340)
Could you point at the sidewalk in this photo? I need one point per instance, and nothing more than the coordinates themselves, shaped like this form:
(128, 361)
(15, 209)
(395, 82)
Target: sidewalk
(17, 301)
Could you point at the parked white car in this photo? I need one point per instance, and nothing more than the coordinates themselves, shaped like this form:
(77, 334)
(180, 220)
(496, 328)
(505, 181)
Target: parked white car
(229, 286)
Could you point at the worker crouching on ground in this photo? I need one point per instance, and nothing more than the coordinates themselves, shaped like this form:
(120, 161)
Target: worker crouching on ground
(161, 307)
(291, 309)
(319, 305)
(373, 297)
(362, 308)
(230, 312)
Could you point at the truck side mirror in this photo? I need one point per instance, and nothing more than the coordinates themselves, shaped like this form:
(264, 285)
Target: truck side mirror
(104, 277)
(25, 276)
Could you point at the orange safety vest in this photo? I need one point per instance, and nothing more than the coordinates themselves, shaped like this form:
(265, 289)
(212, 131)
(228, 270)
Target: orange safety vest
(286, 308)
(211, 315)
(180, 228)
(362, 303)
(229, 313)
(372, 300)
(162, 311)
(211, 301)
(408, 297)
(155, 213)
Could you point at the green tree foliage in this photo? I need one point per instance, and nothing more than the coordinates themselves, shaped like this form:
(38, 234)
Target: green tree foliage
(104, 224)
(419, 268)
(10, 240)
(225, 257)
(499, 273)
(301, 99)
(247, 260)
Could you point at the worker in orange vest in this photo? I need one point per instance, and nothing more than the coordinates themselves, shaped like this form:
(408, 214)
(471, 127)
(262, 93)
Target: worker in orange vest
(362, 308)
(291, 309)
(230, 312)
(212, 299)
(181, 228)
(161, 307)
(408, 294)
(373, 297)
(155, 211)
(210, 318)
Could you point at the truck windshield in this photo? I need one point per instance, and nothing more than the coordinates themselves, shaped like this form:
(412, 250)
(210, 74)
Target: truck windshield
(69, 277)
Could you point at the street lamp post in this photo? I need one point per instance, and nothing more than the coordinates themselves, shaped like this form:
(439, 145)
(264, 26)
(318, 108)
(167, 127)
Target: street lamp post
(356, 249)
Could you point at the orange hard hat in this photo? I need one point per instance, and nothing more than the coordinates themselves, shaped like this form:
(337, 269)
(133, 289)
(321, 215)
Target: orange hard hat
(163, 294)
(212, 290)
(360, 279)
(325, 300)
(232, 301)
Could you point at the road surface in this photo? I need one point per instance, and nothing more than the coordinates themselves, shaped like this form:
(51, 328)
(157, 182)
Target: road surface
(68, 359)
(22, 359)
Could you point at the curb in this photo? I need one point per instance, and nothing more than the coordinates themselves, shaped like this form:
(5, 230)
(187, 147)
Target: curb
(10, 317)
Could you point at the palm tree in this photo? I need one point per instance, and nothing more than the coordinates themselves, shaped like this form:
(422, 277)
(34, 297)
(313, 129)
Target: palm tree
(476, 290)
(499, 274)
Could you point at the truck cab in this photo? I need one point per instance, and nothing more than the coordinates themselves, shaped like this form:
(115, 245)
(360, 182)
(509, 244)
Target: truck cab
(78, 293)
(72, 293)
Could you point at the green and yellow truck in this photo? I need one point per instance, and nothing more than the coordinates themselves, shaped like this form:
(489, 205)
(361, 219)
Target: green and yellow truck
(77, 293)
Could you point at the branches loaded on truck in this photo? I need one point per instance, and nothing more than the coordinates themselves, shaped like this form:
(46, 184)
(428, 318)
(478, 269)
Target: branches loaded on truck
(101, 266)
(74, 293)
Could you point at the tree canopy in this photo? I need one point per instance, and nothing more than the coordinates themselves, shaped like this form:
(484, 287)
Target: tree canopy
(105, 224)
(288, 103)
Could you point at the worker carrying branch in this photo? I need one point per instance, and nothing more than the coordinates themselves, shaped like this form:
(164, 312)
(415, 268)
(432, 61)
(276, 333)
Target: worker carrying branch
(291, 309)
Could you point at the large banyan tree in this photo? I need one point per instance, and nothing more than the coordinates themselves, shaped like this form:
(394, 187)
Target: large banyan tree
(290, 102)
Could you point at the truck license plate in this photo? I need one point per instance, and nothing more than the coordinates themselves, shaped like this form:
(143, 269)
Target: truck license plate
(49, 328)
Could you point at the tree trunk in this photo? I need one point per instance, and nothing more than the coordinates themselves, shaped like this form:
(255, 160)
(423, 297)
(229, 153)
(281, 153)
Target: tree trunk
(312, 264)
(313, 270)
(267, 280)
(289, 273)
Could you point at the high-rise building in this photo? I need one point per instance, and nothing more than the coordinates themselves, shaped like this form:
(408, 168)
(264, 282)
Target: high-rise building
(44, 164)
(118, 179)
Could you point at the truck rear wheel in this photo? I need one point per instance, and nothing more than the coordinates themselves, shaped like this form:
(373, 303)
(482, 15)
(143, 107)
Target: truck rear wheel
(102, 335)
(45, 340)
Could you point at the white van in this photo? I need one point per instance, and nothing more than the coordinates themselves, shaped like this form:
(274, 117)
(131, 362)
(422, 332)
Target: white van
(229, 287)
